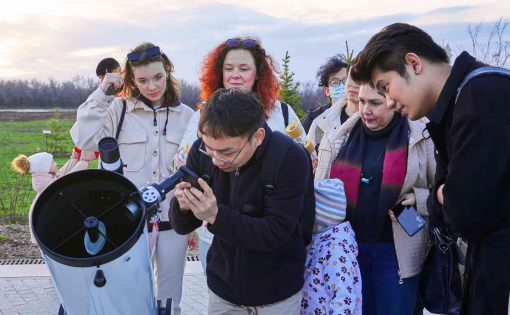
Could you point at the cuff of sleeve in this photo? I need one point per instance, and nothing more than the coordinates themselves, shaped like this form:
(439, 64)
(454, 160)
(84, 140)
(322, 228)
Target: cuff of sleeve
(221, 220)
(421, 195)
(102, 98)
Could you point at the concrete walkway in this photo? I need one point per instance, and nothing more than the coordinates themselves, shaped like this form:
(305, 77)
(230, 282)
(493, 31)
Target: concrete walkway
(28, 290)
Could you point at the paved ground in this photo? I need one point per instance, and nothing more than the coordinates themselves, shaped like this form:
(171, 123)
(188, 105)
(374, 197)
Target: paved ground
(28, 290)
(26, 294)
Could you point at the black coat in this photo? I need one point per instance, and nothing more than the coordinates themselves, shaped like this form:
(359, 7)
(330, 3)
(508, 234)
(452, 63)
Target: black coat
(257, 256)
(472, 139)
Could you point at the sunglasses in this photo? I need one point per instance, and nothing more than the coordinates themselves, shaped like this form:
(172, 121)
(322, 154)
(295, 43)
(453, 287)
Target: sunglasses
(238, 42)
(151, 52)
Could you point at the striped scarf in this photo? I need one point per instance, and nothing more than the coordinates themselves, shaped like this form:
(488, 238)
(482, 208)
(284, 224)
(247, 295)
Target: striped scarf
(348, 165)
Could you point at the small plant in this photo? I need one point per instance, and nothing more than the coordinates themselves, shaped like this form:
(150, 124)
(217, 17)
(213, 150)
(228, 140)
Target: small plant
(348, 56)
(58, 135)
(289, 89)
(15, 199)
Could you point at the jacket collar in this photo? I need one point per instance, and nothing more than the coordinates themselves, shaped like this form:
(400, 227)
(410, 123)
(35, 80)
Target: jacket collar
(460, 69)
(137, 104)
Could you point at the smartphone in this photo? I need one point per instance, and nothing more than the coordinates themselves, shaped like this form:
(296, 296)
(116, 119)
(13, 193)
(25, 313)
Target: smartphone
(409, 219)
(190, 177)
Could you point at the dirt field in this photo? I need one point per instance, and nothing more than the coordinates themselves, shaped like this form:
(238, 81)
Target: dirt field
(26, 115)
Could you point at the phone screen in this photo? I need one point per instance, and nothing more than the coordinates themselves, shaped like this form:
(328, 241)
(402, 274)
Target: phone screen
(410, 220)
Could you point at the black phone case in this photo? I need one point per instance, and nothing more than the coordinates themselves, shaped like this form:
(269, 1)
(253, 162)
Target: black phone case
(190, 177)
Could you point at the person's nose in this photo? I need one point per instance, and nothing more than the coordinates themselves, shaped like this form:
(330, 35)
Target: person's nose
(390, 102)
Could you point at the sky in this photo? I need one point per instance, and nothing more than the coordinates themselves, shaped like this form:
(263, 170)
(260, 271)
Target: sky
(60, 39)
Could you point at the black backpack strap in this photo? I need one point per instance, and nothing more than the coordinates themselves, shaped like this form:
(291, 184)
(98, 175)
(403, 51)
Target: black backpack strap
(277, 149)
(487, 70)
(285, 112)
(121, 120)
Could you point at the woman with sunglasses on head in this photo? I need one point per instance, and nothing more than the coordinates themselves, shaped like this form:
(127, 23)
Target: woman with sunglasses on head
(149, 122)
(242, 63)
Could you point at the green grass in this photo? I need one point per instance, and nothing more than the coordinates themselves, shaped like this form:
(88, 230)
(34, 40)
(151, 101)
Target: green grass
(24, 137)
(3, 238)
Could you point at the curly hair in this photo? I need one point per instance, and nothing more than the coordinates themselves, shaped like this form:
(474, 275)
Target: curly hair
(130, 90)
(266, 85)
(21, 164)
(333, 65)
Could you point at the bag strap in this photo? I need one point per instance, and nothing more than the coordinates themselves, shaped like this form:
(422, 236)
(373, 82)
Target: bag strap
(285, 112)
(276, 150)
(487, 70)
(121, 120)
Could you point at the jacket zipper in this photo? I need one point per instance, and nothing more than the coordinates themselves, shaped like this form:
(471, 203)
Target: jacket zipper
(237, 278)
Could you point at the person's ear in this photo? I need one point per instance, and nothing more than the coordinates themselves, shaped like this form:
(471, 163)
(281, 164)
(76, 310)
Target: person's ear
(415, 62)
(259, 136)
(326, 91)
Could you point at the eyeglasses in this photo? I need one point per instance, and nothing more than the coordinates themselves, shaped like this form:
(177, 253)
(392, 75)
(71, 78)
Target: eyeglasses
(336, 82)
(151, 52)
(238, 42)
(219, 158)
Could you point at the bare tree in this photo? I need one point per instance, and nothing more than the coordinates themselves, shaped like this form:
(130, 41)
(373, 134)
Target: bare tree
(495, 50)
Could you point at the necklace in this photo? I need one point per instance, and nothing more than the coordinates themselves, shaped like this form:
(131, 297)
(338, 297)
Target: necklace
(368, 179)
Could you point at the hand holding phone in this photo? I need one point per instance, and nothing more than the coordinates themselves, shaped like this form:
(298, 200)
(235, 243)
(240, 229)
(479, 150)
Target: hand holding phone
(408, 218)
(190, 177)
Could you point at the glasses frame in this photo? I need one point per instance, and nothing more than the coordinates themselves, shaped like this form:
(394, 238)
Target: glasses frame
(137, 55)
(337, 82)
(224, 161)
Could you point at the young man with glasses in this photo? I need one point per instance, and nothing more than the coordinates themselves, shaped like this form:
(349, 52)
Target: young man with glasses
(466, 122)
(256, 260)
(344, 101)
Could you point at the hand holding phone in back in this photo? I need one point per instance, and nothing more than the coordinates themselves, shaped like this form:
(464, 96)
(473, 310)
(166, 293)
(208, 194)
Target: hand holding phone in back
(408, 199)
(112, 83)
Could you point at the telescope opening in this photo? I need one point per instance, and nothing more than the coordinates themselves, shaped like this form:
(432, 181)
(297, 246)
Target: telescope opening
(80, 210)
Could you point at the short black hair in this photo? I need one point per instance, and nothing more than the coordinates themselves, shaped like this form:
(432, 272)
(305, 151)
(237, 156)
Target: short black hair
(106, 65)
(386, 50)
(333, 65)
(231, 113)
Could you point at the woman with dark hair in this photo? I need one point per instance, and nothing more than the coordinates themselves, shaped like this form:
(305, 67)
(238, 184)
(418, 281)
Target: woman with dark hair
(383, 160)
(242, 63)
(149, 122)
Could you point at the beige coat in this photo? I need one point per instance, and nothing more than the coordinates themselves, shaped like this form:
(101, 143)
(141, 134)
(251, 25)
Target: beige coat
(143, 147)
(328, 120)
(421, 167)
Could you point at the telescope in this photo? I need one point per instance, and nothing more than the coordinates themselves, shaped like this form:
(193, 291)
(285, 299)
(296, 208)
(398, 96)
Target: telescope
(91, 228)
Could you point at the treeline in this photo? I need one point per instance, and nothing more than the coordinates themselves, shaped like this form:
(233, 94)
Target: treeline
(35, 94)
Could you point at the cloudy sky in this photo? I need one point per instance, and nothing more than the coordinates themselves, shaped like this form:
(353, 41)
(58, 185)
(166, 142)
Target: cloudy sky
(59, 39)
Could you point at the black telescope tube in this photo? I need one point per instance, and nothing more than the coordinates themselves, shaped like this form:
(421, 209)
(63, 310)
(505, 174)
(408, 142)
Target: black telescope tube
(109, 155)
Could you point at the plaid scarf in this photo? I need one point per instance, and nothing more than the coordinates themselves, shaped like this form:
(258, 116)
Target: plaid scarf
(348, 166)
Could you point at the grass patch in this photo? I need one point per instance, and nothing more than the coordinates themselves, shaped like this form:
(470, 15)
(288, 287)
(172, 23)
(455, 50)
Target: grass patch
(24, 137)
(3, 238)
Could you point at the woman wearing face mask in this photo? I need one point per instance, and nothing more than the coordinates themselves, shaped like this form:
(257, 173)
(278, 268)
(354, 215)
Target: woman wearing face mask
(242, 63)
(149, 135)
(383, 159)
(343, 104)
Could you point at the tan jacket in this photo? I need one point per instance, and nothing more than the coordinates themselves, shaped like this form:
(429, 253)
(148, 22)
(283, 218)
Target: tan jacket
(421, 167)
(143, 147)
(328, 120)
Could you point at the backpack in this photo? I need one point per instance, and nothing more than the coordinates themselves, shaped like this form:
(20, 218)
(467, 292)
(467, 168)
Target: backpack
(275, 153)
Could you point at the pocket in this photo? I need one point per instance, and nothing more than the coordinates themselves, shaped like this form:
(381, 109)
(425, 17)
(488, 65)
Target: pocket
(172, 142)
(132, 147)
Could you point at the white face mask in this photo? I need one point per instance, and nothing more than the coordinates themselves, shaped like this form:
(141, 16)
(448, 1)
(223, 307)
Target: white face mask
(336, 92)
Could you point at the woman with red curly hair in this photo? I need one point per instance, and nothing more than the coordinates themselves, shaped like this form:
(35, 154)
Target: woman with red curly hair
(242, 63)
